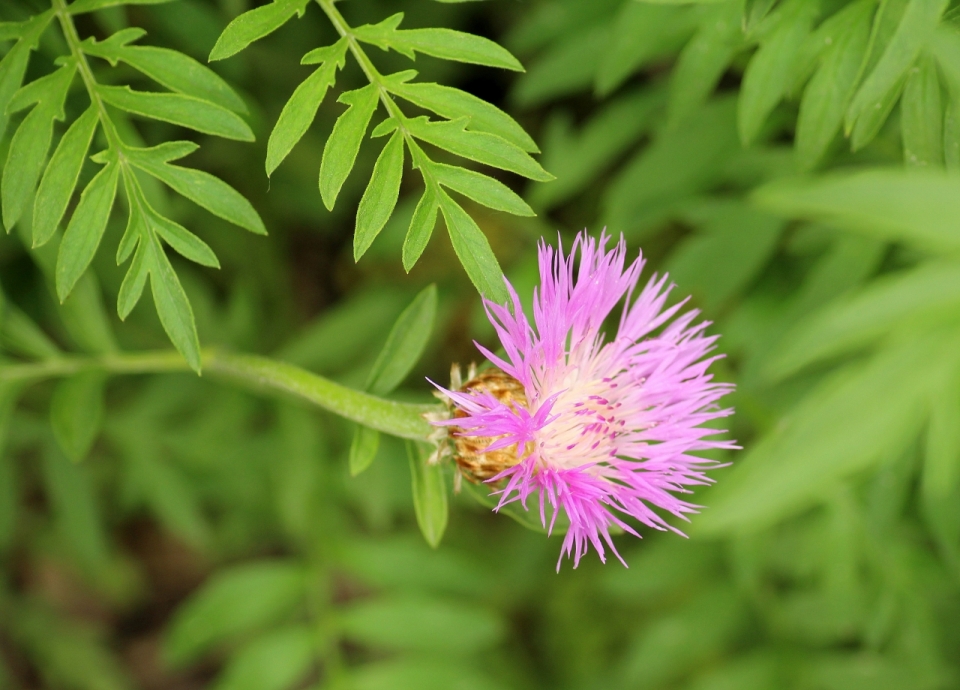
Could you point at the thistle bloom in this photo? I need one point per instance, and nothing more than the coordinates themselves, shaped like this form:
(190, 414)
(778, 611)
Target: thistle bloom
(600, 430)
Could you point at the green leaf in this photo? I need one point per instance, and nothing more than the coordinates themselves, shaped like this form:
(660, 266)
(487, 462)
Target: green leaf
(74, 507)
(274, 661)
(951, 136)
(405, 343)
(429, 493)
(380, 197)
(184, 242)
(481, 188)
(421, 227)
(31, 141)
(828, 93)
(767, 77)
(453, 103)
(940, 480)
(236, 600)
(172, 305)
(178, 109)
(578, 156)
(879, 91)
(81, 6)
(76, 411)
(163, 487)
(886, 305)
(474, 251)
(642, 33)
(254, 25)
(919, 207)
(301, 109)
(363, 449)
(83, 233)
(20, 335)
(131, 289)
(340, 151)
(945, 47)
(60, 178)
(921, 116)
(445, 44)
(171, 68)
(427, 624)
(854, 420)
(477, 146)
(202, 188)
(703, 60)
(569, 66)
(13, 66)
(732, 245)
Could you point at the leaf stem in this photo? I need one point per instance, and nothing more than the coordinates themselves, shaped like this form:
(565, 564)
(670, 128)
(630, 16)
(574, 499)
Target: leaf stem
(89, 81)
(248, 371)
(374, 77)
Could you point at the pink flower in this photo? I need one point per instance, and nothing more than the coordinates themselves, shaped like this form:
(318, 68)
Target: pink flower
(607, 430)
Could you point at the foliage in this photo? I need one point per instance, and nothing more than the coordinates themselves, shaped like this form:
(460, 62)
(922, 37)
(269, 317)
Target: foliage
(791, 163)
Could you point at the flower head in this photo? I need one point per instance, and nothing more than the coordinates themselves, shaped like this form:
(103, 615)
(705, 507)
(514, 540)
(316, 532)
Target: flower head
(601, 430)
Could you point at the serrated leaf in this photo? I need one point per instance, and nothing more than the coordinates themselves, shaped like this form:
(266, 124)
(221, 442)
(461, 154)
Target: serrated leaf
(445, 44)
(81, 6)
(429, 493)
(879, 91)
(919, 207)
(60, 178)
(421, 227)
(31, 141)
(363, 449)
(83, 233)
(921, 116)
(276, 660)
(767, 77)
(452, 104)
(481, 188)
(484, 148)
(254, 25)
(380, 197)
(340, 151)
(186, 111)
(202, 188)
(301, 109)
(171, 68)
(474, 251)
(405, 343)
(828, 93)
(76, 412)
(172, 305)
(236, 600)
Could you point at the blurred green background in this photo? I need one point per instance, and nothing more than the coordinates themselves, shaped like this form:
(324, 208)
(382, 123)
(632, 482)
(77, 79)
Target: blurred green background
(792, 164)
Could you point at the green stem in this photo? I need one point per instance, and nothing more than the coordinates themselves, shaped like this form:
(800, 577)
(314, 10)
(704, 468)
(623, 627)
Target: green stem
(89, 81)
(249, 371)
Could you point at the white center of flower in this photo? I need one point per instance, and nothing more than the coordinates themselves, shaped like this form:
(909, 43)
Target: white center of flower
(589, 416)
